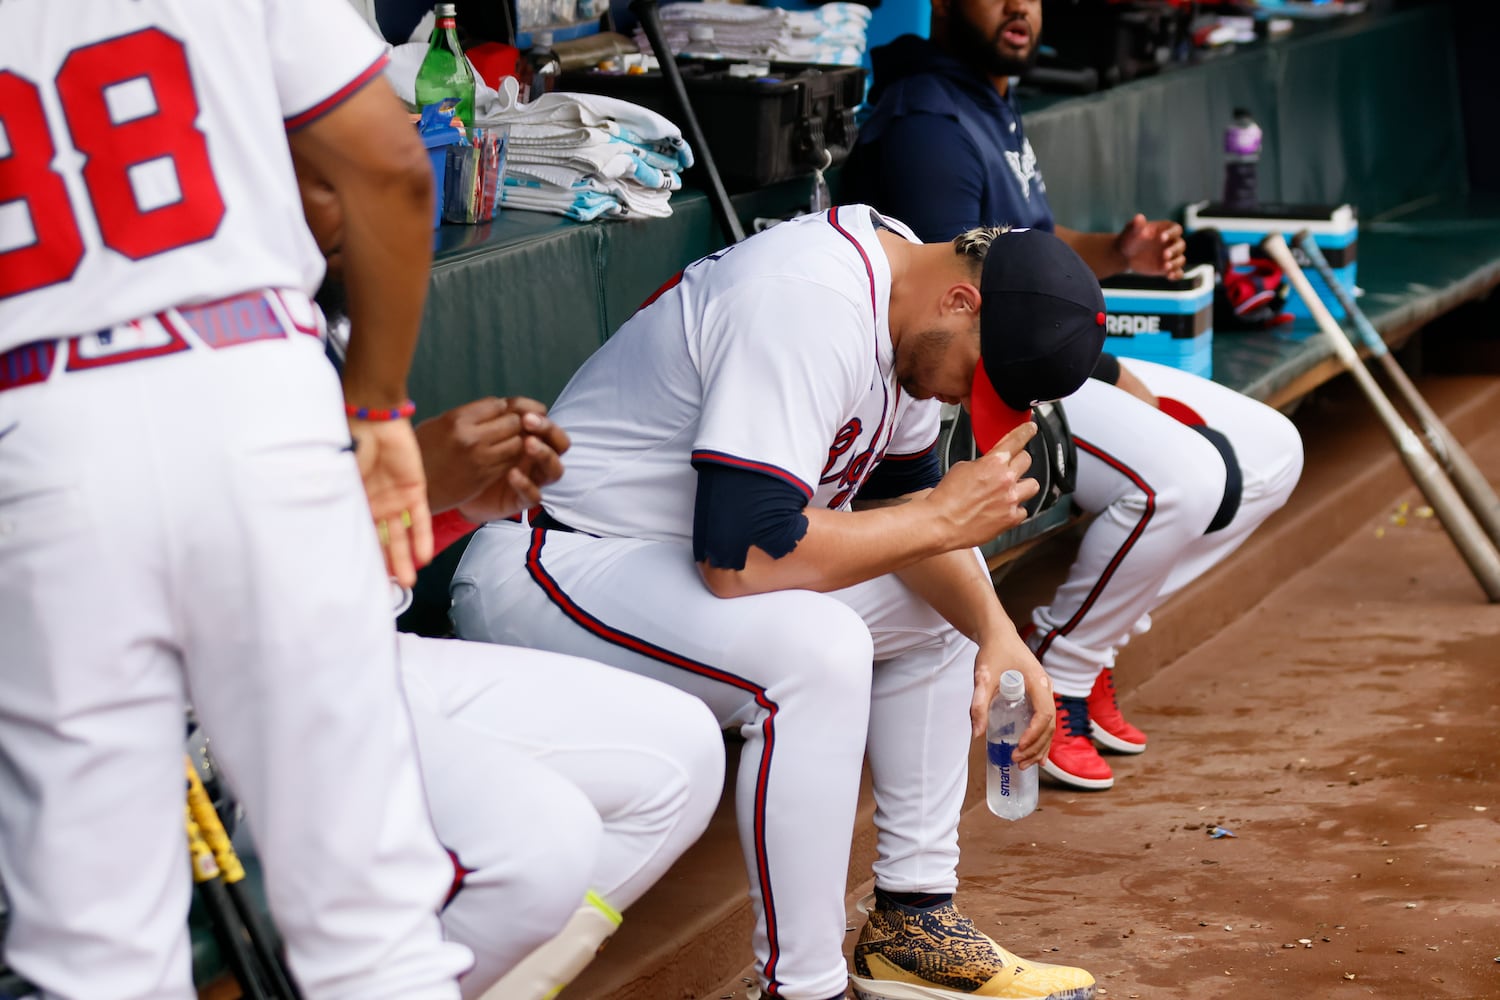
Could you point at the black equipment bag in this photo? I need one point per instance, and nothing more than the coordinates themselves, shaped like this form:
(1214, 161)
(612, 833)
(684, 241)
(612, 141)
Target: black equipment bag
(785, 123)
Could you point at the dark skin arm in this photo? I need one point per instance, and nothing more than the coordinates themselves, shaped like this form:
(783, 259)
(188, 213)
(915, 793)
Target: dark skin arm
(369, 156)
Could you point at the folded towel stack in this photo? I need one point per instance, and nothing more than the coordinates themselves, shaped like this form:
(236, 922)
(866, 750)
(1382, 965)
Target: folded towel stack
(587, 156)
(833, 33)
(580, 155)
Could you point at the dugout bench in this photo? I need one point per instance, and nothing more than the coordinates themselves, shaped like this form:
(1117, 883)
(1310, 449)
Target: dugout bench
(1365, 111)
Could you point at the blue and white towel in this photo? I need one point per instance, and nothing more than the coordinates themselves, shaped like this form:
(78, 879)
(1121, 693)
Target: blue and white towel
(581, 155)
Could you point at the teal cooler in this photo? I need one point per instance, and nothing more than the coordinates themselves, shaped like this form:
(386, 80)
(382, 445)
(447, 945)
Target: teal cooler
(1164, 320)
(1334, 229)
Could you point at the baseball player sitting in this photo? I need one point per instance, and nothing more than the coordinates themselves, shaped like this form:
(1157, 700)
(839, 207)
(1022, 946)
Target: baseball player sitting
(1179, 469)
(752, 513)
(556, 815)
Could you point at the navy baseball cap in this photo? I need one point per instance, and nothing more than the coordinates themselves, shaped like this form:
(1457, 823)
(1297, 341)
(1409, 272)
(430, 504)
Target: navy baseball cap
(1041, 328)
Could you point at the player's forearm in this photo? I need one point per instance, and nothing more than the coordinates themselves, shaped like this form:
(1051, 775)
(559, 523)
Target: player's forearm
(1098, 250)
(958, 586)
(388, 232)
(366, 150)
(840, 549)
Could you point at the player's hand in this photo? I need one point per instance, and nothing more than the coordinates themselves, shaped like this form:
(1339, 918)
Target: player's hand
(391, 465)
(1153, 247)
(471, 449)
(540, 465)
(983, 498)
(995, 657)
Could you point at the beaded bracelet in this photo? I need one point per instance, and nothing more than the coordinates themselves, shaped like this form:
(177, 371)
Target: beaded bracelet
(401, 412)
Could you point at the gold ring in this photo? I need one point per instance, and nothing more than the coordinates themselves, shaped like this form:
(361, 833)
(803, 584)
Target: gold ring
(383, 532)
(406, 519)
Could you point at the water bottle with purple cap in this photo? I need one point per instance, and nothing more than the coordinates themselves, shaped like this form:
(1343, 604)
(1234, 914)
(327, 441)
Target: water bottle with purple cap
(1241, 155)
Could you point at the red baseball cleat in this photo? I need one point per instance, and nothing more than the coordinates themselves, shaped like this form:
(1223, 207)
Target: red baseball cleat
(1107, 725)
(1073, 760)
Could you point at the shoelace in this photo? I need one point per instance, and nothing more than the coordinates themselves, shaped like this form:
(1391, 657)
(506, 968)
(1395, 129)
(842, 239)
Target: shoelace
(1109, 688)
(1076, 715)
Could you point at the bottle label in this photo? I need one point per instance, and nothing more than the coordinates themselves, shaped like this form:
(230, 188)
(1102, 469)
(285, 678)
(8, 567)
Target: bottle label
(1242, 141)
(1000, 755)
(447, 22)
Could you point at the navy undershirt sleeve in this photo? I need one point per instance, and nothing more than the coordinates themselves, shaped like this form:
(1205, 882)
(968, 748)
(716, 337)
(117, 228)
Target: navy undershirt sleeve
(1107, 369)
(737, 508)
(897, 477)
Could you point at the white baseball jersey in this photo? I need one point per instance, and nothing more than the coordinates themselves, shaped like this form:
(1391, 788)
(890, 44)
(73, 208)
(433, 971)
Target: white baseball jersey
(124, 193)
(773, 355)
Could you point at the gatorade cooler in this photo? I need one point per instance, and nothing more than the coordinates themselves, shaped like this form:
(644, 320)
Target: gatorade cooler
(1334, 228)
(1167, 321)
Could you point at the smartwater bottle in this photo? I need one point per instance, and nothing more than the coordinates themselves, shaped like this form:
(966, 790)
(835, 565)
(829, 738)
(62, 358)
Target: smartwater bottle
(1010, 791)
(1241, 157)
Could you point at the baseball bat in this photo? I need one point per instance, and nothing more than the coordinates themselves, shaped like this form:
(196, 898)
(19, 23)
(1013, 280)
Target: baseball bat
(268, 963)
(1444, 446)
(234, 944)
(650, 18)
(1456, 518)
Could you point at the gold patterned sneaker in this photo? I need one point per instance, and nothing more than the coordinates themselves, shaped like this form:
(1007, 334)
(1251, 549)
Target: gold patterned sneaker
(905, 953)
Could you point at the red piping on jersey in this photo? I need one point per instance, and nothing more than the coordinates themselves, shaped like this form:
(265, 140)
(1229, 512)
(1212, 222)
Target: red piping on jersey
(911, 456)
(733, 461)
(338, 97)
(670, 284)
(1119, 556)
(833, 220)
(639, 646)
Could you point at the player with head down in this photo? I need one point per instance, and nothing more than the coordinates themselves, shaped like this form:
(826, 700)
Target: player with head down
(752, 512)
(1179, 469)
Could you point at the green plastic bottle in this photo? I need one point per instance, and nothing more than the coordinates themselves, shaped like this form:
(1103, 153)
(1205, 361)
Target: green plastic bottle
(445, 71)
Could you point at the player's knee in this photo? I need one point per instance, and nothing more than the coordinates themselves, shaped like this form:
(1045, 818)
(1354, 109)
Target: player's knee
(1286, 445)
(831, 652)
(548, 863)
(1185, 502)
(684, 777)
(813, 649)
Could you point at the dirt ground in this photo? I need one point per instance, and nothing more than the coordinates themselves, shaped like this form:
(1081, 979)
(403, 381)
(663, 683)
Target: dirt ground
(1347, 731)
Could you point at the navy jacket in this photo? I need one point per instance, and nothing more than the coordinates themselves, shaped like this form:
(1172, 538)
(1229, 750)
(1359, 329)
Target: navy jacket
(942, 151)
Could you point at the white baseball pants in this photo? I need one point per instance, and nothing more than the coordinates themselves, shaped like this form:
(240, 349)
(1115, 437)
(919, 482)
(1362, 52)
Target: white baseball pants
(811, 681)
(549, 776)
(192, 527)
(1156, 485)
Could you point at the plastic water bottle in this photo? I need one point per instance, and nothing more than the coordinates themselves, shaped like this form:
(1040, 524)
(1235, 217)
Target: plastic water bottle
(544, 65)
(1010, 791)
(1241, 155)
(445, 71)
(701, 43)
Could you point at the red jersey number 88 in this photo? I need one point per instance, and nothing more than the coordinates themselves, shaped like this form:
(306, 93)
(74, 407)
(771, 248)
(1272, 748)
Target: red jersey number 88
(163, 137)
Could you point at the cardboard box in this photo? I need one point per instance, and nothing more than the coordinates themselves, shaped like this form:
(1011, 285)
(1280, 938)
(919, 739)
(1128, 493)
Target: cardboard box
(1335, 228)
(1167, 321)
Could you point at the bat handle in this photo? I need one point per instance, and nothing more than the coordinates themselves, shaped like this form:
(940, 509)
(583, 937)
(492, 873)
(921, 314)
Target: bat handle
(650, 18)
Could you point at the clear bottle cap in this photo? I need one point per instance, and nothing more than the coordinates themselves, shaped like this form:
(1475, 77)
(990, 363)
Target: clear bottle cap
(1012, 685)
(446, 10)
